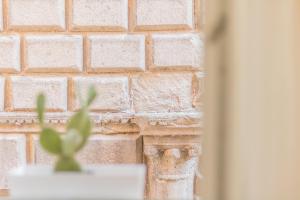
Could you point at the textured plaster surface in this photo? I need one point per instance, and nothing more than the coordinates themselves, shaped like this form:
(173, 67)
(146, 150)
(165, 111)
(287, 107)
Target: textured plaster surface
(33, 14)
(100, 13)
(165, 12)
(26, 89)
(117, 52)
(145, 59)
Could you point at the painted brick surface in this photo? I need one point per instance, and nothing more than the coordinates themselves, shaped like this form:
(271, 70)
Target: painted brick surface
(101, 149)
(36, 14)
(174, 13)
(116, 52)
(162, 93)
(177, 51)
(25, 90)
(9, 53)
(54, 53)
(100, 14)
(12, 155)
(145, 58)
(113, 92)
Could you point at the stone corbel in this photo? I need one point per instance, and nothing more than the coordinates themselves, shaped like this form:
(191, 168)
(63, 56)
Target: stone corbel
(172, 166)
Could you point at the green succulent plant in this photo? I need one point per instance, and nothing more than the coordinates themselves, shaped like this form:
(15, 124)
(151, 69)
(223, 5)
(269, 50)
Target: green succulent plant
(66, 145)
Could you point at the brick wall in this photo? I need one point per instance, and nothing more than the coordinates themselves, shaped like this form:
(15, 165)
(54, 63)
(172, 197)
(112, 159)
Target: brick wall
(145, 58)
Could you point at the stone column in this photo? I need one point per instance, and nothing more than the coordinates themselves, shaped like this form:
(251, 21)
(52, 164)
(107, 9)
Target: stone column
(171, 171)
(172, 146)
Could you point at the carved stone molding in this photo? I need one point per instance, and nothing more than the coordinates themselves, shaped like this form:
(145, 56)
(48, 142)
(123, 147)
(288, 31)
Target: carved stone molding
(169, 120)
(109, 122)
(21, 118)
(172, 167)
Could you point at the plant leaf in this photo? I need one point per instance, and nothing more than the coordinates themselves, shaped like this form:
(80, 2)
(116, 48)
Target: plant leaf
(92, 94)
(82, 124)
(41, 107)
(71, 142)
(50, 140)
(68, 164)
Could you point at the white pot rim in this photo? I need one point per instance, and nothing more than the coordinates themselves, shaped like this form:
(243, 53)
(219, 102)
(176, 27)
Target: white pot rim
(88, 170)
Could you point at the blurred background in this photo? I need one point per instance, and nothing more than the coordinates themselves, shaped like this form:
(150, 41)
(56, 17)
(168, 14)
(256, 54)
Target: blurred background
(252, 97)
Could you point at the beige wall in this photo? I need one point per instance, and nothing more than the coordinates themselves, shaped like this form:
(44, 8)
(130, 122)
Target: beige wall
(146, 60)
(251, 151)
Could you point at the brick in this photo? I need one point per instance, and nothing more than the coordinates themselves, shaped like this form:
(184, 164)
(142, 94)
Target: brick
(36, 14)
(25, 89)
(164, 14)
(2, 96)
(162, 92)
(54, 53)
(112, 149)
(112, 92)
(108, 149)
(105, 15)
(9, 53)
(177, 51)
(116, 52)
(12, 155)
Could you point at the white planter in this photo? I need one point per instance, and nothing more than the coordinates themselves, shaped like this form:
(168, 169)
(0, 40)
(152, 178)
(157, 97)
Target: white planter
(101, 182)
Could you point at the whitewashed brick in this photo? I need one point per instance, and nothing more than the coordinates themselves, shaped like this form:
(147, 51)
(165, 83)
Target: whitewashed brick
(112, 92)
(100, 14)
(25, 90)
(10, 53)
(170, 13)
(2, 96)
(54, 53)
(37, 14)
(162, 92)
(177, 51)
(116, 52)
(12, 155)
(108, 149)
(1, 15)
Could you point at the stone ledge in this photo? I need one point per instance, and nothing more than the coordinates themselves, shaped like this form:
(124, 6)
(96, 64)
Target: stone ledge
(142, 120)
(171, 120)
